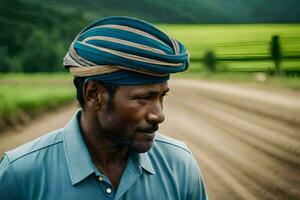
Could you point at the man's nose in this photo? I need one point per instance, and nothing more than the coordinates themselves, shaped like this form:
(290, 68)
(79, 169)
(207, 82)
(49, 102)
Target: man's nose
(156, 114)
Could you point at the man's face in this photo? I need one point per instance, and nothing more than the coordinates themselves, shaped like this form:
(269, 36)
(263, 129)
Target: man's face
(137, 111)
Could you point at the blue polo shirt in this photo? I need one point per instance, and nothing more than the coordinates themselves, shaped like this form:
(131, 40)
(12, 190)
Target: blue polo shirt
(58, 166)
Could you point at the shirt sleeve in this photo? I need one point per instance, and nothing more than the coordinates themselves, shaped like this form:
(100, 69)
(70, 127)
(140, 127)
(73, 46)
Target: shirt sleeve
(8, 185)
(196, 189)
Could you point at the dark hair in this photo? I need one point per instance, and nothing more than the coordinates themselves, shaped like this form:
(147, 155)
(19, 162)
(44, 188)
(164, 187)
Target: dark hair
(110, 88)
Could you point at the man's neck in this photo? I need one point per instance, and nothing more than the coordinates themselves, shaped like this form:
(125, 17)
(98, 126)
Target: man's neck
(102, 150)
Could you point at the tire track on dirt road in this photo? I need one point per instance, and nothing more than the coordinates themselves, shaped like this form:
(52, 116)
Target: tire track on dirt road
(278, 144)
(217, 148)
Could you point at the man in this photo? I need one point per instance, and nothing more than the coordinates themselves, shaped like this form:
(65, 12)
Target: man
(110, 148)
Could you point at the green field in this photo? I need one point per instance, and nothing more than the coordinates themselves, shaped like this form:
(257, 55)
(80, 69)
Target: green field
(23, 96)
(239, 41)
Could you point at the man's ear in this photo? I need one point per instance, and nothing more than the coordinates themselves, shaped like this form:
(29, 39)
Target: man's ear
(93, 95)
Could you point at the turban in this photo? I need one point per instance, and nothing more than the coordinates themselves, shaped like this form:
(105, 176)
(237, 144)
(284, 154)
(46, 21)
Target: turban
(125, 51)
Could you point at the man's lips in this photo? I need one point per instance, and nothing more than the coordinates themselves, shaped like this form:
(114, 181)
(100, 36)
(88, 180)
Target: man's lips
(150, 130)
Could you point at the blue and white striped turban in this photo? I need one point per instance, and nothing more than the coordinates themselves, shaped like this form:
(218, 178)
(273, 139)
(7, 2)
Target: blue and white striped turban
(125, 51)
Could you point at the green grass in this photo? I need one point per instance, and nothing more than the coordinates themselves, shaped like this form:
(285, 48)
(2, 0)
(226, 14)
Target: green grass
(30, 94)
(238, 41)
(235, 39)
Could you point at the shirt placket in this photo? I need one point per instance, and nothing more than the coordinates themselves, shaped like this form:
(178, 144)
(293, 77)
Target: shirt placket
(105, 185)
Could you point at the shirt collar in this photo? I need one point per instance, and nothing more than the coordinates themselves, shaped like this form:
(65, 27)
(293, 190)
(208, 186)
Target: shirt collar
(145, 163)
(79, 161)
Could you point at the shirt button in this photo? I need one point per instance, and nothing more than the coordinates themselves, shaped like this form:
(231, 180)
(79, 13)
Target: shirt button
(108, 190)
(100, 178)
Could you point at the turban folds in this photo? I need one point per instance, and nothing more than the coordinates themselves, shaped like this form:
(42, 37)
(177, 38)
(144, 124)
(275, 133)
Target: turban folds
(125, 51)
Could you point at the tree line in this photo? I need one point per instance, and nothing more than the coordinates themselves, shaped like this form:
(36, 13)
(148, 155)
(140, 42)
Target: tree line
(34, 38)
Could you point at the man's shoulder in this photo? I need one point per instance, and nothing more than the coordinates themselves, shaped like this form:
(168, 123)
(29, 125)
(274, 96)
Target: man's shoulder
(165, 142)
(35, 146)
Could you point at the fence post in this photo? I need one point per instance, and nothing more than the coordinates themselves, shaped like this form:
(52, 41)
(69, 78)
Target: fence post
(210, 61)
(276, 53)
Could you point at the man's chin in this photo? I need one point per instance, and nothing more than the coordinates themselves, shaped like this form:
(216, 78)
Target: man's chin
(142, 147)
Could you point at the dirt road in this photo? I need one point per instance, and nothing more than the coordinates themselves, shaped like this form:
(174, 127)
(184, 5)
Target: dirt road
(246, 140)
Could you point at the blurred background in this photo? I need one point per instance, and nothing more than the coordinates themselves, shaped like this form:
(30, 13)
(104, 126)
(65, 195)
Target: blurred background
(239, 107)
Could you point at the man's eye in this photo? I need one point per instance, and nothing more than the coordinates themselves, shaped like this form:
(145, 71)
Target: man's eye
(144, 97)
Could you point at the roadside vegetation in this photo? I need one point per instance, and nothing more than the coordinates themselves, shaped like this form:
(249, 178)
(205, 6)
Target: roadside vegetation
(23, 96)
